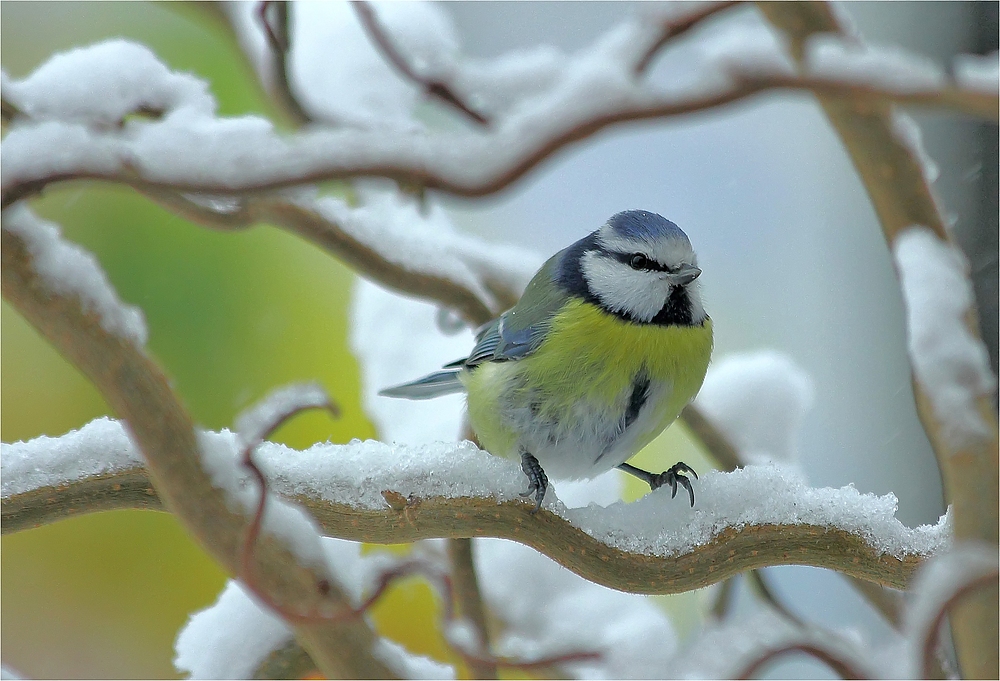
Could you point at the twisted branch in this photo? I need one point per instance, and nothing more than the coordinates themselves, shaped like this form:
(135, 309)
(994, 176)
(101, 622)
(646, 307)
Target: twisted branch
(901, 197)
(483, 164)
(732, 551)
(135, 388)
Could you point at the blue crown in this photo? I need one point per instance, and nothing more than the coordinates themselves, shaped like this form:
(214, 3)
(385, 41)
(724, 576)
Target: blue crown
(644, 226)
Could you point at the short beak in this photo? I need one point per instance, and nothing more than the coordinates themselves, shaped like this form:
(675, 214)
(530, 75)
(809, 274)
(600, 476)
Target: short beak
(684, 275)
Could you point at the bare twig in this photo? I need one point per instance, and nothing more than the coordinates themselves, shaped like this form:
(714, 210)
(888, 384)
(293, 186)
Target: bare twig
(8, 112)
(432, 87)
(760, 585)
(672, 29)
(928, 646)
(273, 16)
(469, 599)
(252, 533)
(712, 439)
(844, 668)
(724, 599)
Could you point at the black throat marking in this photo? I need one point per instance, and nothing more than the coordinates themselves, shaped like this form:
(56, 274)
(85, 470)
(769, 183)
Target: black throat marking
(676, 311)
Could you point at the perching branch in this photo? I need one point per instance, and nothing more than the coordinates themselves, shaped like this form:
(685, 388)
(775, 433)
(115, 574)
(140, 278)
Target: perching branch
(431, 87)
(901, 197)
(137, 390)
(732, 551)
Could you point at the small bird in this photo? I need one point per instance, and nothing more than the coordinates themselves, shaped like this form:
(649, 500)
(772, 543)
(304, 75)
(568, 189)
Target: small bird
(607, 345)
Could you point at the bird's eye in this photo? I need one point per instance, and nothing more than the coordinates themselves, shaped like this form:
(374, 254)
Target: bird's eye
(639, 262)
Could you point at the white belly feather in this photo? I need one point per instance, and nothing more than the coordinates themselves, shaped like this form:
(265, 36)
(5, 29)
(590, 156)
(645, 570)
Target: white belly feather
(589, 438)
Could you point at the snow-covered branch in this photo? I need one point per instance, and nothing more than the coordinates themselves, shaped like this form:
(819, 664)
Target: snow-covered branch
(755, 517)
(387, 239)
(539, 104)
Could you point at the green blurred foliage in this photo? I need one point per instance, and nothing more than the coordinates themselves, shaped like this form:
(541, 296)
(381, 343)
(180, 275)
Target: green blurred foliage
(231, 315)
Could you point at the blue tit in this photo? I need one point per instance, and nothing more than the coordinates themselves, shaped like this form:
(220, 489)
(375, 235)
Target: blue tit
(607, 345)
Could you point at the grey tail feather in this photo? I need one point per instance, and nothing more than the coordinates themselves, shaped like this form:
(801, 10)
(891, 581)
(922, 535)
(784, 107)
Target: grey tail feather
(433, 385)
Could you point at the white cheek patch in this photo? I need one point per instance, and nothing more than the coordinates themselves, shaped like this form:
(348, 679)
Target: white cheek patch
(620, 288)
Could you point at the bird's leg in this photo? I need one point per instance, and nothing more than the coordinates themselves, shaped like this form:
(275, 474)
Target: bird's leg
(538, 482)
(672, 476)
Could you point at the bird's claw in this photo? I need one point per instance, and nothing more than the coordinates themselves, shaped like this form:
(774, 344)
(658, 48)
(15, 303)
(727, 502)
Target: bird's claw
(673, 476)
(538, 482)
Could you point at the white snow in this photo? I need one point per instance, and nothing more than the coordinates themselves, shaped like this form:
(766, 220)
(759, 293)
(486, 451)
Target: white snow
(758, 400)
(103, 83)
(232, 637)
(393, 225)
(338, 71)
(229, 639)
(220, 458)
(254, 423)
(908, 132)
(357, 473)
(951, 365)
(395, 340)
(410, 665)
(978, 72)
(67, 269)
(98, 448)
(547, 610)
(724, 650)
(755, 495)
(854, 61)
(940, 579)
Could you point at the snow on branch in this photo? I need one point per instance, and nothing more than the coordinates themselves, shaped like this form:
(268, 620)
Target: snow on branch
(552, 101)
(458, 490)
(388, 239)
(232, 638)
(68, 269)
(951, 364)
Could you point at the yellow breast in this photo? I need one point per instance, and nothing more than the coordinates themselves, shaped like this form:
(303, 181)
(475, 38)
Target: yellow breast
(589, 357)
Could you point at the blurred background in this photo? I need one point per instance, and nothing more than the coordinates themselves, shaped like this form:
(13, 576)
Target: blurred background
(792, 253)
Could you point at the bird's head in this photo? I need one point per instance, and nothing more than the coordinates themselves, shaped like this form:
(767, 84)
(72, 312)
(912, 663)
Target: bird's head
(639, 266)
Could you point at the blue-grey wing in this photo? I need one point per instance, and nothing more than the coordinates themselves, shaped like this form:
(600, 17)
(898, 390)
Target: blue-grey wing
(520, 330)
(500, 343)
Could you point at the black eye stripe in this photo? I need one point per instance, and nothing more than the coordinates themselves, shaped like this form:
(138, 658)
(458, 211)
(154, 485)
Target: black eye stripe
(647, 264)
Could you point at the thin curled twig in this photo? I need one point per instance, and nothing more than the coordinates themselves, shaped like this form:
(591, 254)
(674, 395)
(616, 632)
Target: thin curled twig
(674, 28)
(928, 646)
(252, 533)
(844, 668)
(273, 16)
(431, 86)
